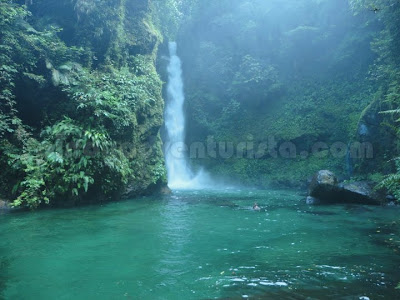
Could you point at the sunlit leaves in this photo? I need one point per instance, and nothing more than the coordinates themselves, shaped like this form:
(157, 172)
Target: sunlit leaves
(55, 157)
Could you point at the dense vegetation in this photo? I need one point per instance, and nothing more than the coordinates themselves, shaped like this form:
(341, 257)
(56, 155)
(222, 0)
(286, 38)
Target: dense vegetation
(81, 102)
(81, 99)
(298, 71)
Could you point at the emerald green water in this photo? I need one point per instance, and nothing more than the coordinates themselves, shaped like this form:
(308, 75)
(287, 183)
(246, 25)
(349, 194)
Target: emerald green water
(202, 245)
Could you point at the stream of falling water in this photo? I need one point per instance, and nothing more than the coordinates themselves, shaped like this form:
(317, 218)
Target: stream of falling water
(180, 175)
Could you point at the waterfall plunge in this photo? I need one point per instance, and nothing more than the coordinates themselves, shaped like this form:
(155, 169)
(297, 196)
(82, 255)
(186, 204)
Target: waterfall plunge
(180, 175)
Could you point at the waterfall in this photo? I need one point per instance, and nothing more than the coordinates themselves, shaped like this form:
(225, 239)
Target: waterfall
(179, 173)
(349, 161)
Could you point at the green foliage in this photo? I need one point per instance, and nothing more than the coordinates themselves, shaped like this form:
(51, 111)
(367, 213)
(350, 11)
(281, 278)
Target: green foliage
(9, 15)
(293, 70)
(116, 98)
(159, 173)
(255, 81)
(68, 160)
(170, 15)
(276, 171)
(99, 96)
(392, 182)
(385, 71)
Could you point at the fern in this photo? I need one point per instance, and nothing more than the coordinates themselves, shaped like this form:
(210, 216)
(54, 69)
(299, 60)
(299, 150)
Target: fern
(392, 182)
(390, 112)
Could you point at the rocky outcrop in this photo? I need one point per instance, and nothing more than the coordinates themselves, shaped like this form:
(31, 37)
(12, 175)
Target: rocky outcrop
(165, 190)
(375, 137)
(4, 206)
(133, 190)
(325, 189)
(360, 192)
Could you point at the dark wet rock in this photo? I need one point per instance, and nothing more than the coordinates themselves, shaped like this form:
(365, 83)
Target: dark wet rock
(324, 189)
(361, 192)
(134, 190)
(165, 190)
(363, 129)
(312, 201)
(390, 198)
(375, 140)
(5, 206)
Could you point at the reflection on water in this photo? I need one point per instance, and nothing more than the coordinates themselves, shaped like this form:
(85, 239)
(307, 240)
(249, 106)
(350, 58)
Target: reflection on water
(176, 231)
(202, 245)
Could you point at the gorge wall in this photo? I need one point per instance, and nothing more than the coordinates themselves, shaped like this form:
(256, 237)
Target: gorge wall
(81, 101)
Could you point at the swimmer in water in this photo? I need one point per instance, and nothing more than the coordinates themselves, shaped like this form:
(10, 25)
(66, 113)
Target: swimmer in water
(256, 207)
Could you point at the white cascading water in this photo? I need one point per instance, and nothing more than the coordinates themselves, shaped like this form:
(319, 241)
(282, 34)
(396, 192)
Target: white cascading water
(180, 175)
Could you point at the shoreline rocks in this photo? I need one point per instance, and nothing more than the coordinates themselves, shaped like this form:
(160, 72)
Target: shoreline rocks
(325, 189)
(5, 206)
(360, 192)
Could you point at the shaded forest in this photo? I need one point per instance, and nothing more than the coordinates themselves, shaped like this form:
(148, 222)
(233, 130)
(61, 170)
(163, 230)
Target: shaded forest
(307, 72)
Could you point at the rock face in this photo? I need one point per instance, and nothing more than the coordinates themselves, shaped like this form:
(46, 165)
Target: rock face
(165, 190)
(4, 206)
(381, 139)
(134, 190)
(324, 189)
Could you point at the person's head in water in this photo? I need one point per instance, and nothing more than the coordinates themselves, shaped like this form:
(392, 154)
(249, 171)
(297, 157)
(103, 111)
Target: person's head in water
(255, 206)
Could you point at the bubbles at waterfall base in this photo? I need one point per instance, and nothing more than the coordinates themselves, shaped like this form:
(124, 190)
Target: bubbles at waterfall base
(200, 180)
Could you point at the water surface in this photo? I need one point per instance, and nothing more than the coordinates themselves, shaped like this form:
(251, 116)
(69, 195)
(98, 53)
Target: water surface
(202, 245)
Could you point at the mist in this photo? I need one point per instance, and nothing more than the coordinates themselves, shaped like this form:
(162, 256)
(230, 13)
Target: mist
(297, 72)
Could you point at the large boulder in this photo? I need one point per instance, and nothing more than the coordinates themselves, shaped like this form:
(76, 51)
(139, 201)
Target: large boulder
(325, 189)
(4, 206)
(360, 192)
